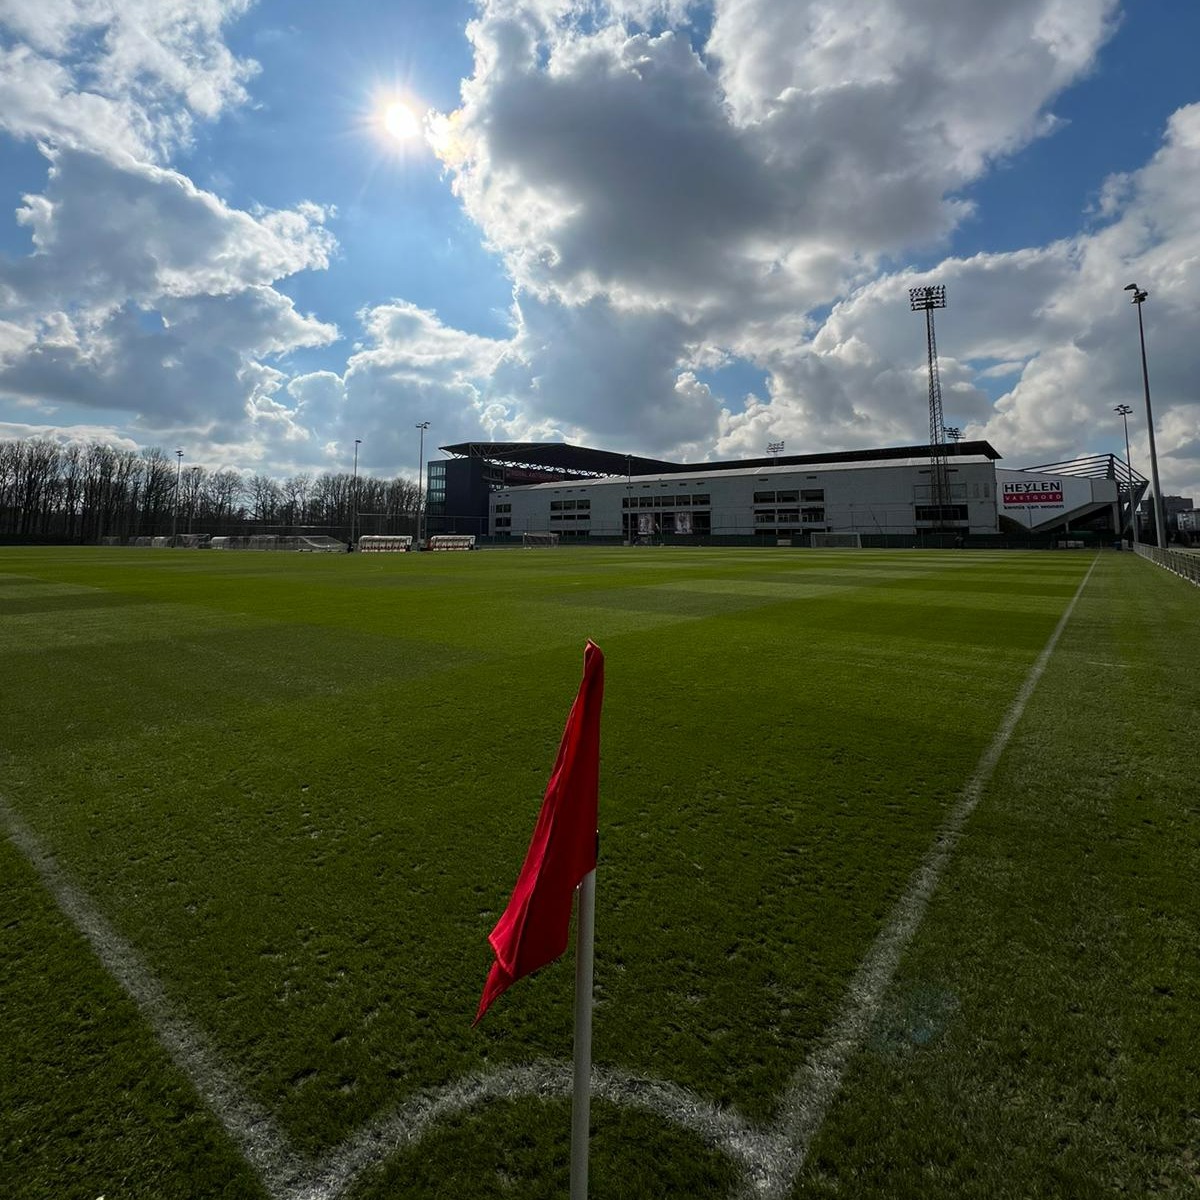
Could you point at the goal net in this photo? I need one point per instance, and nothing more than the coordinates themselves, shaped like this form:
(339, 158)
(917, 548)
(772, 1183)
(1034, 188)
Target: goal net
(532, 541)
(836, 541)
(270, 541)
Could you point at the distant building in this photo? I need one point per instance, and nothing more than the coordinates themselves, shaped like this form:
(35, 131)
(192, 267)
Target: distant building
(508, 489)
(1175, 507)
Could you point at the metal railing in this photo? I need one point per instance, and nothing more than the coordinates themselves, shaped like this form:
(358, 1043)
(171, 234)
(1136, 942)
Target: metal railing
(1187, 566)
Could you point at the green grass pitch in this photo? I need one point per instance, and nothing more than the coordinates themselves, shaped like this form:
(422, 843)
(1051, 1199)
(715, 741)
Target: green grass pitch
(300, 787)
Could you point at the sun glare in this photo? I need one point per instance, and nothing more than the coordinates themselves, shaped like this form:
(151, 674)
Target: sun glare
(401, 122)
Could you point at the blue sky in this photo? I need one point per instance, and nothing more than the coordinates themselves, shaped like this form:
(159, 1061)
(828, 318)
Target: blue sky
(653, 226)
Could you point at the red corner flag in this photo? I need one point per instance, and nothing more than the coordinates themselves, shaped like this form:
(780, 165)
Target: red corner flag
(533, 929)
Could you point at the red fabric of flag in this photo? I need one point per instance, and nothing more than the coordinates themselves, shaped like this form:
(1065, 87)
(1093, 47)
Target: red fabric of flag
(534, 927)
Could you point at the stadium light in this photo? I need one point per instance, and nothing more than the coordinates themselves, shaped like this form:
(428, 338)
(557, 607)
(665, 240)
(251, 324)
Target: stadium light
(774, 448)
(422, 426)
(953, 433)
(175, 514)
(926, 299)
(1160, 523)
(354, 493)
(1124, 410)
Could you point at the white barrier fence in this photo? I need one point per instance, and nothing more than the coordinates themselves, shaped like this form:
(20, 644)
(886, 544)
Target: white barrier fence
(1187, 566)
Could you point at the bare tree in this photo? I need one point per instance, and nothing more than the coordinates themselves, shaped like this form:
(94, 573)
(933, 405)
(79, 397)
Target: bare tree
(225, 490)
(158, 491)
(265, 495)
(192, 491)
(296, 491)
(95, 491)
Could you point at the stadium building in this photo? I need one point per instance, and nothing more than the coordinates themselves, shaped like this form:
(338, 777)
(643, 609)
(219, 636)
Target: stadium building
(508, 490)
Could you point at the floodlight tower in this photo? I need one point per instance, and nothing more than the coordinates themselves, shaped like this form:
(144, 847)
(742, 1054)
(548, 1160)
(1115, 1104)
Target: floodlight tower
(175, 514)
(926, 299)
(774, 448)
(354, 494)
(1160, 516)
(422, 426)
(1123, 411)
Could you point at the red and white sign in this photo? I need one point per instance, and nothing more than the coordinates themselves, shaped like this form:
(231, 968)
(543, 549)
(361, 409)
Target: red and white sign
(1036, 491)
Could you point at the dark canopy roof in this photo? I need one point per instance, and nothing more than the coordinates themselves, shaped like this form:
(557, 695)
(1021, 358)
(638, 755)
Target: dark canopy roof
(582, 461)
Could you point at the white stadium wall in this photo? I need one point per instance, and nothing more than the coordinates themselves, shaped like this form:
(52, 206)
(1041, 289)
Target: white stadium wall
(871, 497)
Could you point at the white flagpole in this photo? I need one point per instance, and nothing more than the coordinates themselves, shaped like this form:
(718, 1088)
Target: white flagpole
(582, 1094)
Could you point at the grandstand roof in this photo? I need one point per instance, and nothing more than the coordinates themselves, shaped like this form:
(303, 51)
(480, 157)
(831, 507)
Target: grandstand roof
(581, 461)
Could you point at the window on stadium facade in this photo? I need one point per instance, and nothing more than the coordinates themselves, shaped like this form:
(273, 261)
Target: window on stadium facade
(944, 512)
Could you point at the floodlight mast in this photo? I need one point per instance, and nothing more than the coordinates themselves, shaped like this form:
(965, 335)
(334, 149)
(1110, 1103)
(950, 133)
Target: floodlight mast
(354, 494)
(175, 514)
(1123, 411)
(926, 299)
(1160, 524)
(422, 426)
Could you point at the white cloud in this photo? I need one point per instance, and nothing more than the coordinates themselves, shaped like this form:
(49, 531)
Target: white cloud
(409, 367)
(767, 172)
(66, 434)
(107, 232)
(117, 76)
(599, 374)
(145, 294)
(1055, 318)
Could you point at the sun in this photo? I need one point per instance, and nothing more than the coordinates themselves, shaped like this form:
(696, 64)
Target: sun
(401, 122)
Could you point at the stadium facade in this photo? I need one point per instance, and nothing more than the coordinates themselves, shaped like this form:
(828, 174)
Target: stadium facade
(506, 490)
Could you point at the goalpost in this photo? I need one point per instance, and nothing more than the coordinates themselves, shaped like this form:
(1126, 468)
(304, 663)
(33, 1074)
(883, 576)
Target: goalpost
(532, 541)
(836, 541)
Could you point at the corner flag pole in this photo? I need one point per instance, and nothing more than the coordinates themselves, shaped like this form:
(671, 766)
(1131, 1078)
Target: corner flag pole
(582, 1094)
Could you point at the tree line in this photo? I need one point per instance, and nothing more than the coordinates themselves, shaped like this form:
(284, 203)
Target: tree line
(87, 492)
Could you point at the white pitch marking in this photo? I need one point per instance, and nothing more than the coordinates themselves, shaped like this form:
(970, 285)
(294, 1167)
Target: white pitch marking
(261, 1142)
(288, 1175)
(770, 1158)
(813, 1088)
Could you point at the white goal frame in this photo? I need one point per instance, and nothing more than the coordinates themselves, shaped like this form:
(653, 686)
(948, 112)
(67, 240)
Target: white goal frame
(836, 541)
(544, 540)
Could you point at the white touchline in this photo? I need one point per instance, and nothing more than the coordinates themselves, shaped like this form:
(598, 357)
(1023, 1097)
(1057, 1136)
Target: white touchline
(260, 1141)
(769, 1158)
(813, 1088)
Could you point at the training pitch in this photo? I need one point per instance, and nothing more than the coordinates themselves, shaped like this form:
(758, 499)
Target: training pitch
(896, 892)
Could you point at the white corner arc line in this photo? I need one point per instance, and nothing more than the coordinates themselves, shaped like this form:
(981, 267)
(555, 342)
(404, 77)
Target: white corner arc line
(815, 1085)
(288, 1175)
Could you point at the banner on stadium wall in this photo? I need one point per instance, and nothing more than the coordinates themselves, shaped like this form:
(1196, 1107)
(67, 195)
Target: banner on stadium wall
(683, 522)
(645, 523)
(1034, 499)
(1038, 492)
